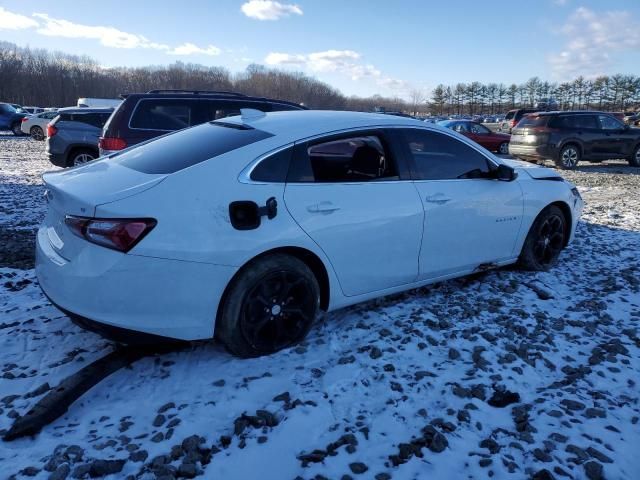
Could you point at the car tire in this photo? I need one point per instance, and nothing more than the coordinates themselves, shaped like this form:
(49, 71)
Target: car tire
(270, 304)
(545, 240)
(569, 157)
(634, 161)
(36, 133)
(503, 148)
(16, 128)
(81, 156)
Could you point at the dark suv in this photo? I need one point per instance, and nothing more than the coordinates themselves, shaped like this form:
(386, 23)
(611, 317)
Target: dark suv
(143, 116)
(512, 118)
(568, 137)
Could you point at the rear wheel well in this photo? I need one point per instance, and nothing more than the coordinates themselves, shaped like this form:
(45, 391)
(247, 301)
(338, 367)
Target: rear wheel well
(309, 258)
(566, 212)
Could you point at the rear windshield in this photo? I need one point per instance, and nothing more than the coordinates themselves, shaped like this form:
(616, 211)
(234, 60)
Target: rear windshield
(529, 121)
(510, 115)
(180, 150)
(96, 119)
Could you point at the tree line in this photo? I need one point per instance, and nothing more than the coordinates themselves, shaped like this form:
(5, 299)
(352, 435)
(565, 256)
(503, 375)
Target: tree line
(606, 93)
(43, 78)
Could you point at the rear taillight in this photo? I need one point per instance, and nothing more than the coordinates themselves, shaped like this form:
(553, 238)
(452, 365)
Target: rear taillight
(112, 143)
(51, 130)
(120, 234)
(24, 119)
(512, 123)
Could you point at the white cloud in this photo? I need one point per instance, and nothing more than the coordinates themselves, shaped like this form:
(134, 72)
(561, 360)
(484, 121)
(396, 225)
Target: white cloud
(276, 58)
(107, 36)
(593, 41)
(346, 62)
(191, 49)
(269, 10)
(15, 21)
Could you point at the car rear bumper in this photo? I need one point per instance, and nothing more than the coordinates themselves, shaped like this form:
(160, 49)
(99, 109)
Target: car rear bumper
(123, 295)
(58, 159)
(531, 152)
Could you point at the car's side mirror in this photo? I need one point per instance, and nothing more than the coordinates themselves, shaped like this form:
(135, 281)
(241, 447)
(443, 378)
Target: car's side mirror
(505, 173)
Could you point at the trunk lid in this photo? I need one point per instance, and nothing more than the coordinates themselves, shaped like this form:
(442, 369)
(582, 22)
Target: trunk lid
(79, 191)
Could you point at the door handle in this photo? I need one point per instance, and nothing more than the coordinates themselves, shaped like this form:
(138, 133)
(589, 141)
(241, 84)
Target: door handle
(323, 207)
(438, 198)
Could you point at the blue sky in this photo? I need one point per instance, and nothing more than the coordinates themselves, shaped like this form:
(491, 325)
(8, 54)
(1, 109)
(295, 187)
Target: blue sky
(361, 47)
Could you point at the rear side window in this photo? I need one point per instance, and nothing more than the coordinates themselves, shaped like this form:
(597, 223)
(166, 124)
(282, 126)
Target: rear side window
(575, 121)
(440, 157)
(180, 150)
(530, 121)
(274, 168)
(510, 115)
(94, 119)
(164, 114)
(358, 158)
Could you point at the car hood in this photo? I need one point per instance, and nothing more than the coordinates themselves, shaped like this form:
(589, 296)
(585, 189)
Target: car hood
(536, 172)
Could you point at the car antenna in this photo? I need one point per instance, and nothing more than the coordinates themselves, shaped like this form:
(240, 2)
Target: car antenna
(251, 114)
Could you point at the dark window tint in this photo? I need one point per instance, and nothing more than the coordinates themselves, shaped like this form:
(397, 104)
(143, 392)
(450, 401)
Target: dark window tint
(273, 168)
(94, 119)
(510, 115)
(575, 121)
(180, 150)
(5, 109)
(164, 114)
(532, 121)
(441, 157)
(351, 159)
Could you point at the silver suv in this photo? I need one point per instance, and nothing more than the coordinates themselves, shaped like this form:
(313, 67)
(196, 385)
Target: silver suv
(72, 137)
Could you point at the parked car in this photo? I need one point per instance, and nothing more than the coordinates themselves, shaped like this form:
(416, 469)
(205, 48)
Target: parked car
(33, 110)
(569, 137)
(244, 228)
(143, 116)
(512, 117)
(631, 118)
(11, 119)
(546, 105)
(494, 141)
(36, 125)
(72, 136)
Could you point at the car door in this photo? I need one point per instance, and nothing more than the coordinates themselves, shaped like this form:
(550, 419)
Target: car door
(587, 129)
(356, 201)
(470, 219)
(613, 141)
(5, 116)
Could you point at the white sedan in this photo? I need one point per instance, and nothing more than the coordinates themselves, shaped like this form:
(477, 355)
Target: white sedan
(36, 125)
(245, 228)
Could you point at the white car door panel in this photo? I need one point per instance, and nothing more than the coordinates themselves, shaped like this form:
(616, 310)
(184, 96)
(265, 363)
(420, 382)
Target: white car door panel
(370, 230)
(468, 223)
(471, 218)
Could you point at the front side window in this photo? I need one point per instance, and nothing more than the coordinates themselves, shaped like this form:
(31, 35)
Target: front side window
(460, 128)
(437, 156)
(609, 123)
(358, 158)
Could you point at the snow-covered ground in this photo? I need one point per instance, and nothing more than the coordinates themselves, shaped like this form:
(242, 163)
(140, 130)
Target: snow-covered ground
(398, 388)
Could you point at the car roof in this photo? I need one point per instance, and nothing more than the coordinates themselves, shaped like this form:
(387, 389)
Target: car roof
(298, 124)
(572, 112)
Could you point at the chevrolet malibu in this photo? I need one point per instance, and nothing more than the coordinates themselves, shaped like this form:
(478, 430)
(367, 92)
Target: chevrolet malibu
(243, 229)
